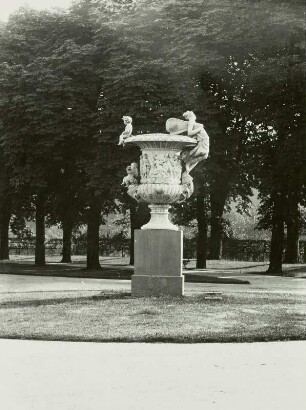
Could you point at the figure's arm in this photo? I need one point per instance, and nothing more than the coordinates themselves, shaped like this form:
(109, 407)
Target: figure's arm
(193, 132)
(177, 132)
(190, 131)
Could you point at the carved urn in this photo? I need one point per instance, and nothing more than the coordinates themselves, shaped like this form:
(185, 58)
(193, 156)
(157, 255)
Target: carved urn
(161, 180)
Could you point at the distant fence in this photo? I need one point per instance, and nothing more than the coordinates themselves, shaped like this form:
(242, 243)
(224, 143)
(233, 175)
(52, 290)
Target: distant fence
(247, 250)
(108, 246)
(233, 249)
(27, 246)
(241, 249)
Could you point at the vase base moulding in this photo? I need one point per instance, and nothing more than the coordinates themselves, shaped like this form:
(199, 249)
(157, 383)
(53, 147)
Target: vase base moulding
(160, 218)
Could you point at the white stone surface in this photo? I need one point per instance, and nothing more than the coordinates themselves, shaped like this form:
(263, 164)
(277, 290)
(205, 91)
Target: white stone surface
(90, 376)
(160, 218)
(159, 140)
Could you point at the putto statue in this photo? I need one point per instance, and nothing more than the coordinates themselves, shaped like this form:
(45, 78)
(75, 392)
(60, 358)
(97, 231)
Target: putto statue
(132, 175)
(127, 131)
(195, 130)
(131, 180)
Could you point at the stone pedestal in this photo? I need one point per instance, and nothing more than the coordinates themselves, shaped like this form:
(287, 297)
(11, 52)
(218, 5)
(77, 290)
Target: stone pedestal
(158, 263)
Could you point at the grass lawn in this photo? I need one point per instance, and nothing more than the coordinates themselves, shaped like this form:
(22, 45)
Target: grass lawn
(118, 268)
(116, 316)
(24, 264)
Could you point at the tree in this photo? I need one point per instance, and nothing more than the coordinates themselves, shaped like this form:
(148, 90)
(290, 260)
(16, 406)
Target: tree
(32, 92)
(5, 211)
(279, 143)
(49, 83)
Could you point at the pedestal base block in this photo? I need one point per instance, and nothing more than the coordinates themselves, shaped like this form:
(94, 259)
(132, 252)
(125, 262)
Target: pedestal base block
(158, 263)
(157, 285)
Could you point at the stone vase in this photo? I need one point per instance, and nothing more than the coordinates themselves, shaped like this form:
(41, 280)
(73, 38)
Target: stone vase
(161, 181)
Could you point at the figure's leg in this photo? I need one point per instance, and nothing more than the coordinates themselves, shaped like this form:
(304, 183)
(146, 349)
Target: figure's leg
(195, 161)
(189, 164)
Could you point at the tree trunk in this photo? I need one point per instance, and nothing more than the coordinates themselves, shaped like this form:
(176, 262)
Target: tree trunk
(277, 239)
(292, 242)
(40, 251)
(93, 225)
(276, 252)
(67, 237)
(5, 216)
(5, 210)
(133, 227)
(217, 200)
(216, 238)
(202, 232)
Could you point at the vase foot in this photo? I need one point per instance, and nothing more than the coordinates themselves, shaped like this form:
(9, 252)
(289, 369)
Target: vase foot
(160, 218)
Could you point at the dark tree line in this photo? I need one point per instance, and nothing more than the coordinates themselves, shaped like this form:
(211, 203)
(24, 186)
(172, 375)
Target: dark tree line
(66, 79)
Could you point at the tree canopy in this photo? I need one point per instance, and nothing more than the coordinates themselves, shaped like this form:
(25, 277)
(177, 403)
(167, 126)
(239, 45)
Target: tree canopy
(68, 77)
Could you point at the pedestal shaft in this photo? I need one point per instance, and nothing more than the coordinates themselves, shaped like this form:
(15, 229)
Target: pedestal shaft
(158, 263)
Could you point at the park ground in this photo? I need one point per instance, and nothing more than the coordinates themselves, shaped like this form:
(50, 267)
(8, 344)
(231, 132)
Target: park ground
(58, 304)
(228, 302)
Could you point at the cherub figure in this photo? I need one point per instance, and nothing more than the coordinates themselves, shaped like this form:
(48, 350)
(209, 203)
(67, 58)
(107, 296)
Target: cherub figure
(187, 181)
(127, 131)
(132, 174)
(201, 150)
(134, 168)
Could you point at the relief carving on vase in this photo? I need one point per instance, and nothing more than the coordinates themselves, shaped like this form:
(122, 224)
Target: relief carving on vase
(160, 193)
(160, 167)
(161, 180)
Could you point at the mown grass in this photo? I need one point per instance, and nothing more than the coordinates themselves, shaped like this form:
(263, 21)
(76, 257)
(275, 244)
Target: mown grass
(118, 317)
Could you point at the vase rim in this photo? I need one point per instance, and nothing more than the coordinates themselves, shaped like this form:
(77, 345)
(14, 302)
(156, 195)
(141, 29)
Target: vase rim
(159, 137)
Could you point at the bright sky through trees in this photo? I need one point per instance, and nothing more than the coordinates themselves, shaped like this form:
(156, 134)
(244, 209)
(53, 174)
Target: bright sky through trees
(9, 6)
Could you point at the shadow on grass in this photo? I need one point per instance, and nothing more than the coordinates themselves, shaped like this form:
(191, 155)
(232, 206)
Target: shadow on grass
(148, 311)
(103, 273)
(203, 297)
(30, 303)
(57, 301)
(58, 270)
(24, 265)
(288, 272)
(161, 339)
(242, 267)
(213, 279)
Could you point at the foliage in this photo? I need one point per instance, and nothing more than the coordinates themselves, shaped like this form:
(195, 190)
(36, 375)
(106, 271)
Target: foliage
(66, 79)
(44, 110)
(19, 228)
